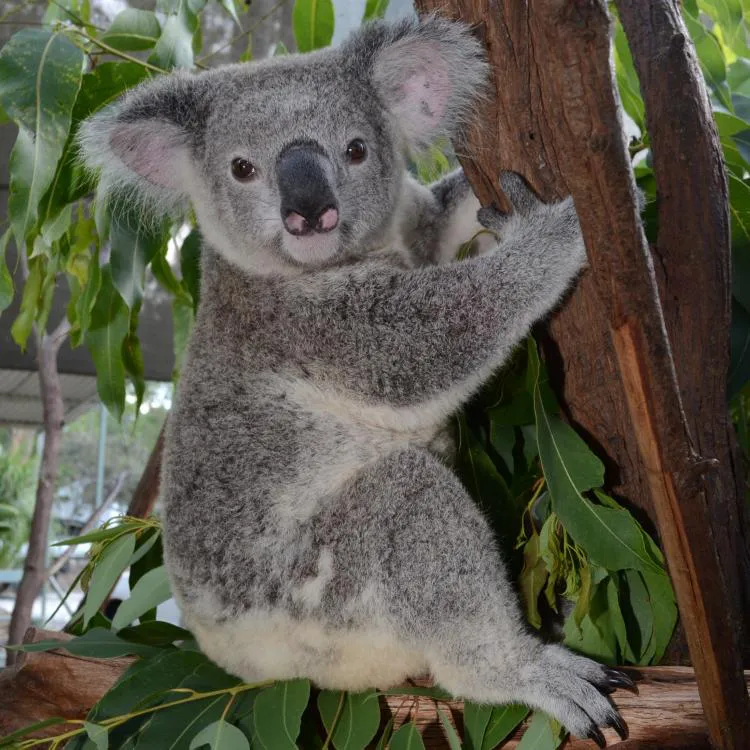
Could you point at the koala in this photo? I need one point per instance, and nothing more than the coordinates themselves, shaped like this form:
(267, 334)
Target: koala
(312, 525)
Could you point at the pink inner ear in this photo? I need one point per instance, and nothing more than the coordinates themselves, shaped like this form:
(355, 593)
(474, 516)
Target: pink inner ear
(422, 86)
(151, 148)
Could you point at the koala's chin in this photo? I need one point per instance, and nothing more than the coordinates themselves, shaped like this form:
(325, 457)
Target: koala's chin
(312, 249)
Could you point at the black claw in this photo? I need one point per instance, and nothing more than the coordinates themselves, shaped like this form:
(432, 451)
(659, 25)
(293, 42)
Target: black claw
(620, 727)
(595, 734)
(617, 680)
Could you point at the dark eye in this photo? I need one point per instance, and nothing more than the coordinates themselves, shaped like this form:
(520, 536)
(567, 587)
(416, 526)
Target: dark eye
(242, 170)
(356, 151)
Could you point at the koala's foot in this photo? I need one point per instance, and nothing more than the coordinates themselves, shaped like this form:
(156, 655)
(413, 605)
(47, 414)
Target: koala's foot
(571, 688)
(574, 690)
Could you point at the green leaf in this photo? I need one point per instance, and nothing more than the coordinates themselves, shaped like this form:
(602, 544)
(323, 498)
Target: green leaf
(627, 80)
(108, 569)
(711, 58)
(133, 29)
(503, 722)
(230, 8)
(386, 736)
(6, 280)
(610, 537)
(618, 620)
(110, 324)
(152, 589)
(533, 578)
(421, 692)
(175, 46)
(407, 738)
(97, 642)
(450, 731)
(541, 734)
(375, 9)
(277, 715)
(220, 735)
(358, 717)
(154, 633)
(134, 245)
(173, 729)
(97, 734)
(24, 322)
(664, 610)
(313, 22)
(132, 358)
(40, 75)
(147, 680)
(476, 719)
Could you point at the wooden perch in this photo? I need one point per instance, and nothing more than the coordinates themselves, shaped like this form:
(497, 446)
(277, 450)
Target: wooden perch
(667, 713)
(46, 684)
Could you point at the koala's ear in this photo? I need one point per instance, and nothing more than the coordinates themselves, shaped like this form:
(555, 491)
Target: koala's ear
(142, 144)
(427, 72)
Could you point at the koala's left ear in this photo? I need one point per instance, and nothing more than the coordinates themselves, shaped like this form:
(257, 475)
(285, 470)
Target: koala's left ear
(141, 145)
(428, 72)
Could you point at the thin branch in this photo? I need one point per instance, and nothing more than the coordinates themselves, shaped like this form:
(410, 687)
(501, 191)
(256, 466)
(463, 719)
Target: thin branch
(115, 52)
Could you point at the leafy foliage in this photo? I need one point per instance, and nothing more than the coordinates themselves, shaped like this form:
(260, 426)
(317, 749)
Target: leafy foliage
(580, 558)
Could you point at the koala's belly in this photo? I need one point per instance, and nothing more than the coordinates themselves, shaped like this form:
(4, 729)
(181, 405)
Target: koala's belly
(260, 646)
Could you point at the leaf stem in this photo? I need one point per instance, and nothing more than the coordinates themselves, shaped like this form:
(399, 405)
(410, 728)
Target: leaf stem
(115, 52)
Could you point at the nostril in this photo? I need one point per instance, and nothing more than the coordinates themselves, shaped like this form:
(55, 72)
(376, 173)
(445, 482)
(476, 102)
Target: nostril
(328, 220)
(296, 223)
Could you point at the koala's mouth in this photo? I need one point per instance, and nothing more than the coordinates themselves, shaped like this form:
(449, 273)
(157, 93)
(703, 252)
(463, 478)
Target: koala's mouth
(311, 249)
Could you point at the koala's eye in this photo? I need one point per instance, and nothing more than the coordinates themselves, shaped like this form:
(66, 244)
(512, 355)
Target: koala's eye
(356, 151)
(242, 170)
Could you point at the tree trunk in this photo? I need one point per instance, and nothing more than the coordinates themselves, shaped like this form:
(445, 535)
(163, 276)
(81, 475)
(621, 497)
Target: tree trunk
(146, 493)
(48, 346)
(555, 119)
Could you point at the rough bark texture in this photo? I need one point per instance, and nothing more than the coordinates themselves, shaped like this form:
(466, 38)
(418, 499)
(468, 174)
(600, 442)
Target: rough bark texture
(692, 253)
(555, 119)
(48, 346)
(48, 684)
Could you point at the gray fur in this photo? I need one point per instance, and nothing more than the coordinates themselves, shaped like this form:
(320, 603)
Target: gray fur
(311, 527)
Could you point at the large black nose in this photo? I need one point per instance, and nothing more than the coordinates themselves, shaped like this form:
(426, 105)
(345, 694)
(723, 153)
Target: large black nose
(308, 203)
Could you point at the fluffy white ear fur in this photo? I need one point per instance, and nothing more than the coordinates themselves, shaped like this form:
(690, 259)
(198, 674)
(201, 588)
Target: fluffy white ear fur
(429, 73)
(145, 159)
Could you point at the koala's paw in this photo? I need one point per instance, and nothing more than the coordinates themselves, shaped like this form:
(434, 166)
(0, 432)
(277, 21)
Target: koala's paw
(574, 690)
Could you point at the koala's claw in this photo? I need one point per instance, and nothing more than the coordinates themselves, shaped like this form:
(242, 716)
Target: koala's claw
(595, 734)
(616, 679)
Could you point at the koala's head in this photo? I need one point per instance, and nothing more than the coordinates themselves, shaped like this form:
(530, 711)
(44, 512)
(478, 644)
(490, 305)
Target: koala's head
(296, 161)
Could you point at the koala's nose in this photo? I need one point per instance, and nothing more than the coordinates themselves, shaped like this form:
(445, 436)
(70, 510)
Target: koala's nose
(299, 224)
(308, 203)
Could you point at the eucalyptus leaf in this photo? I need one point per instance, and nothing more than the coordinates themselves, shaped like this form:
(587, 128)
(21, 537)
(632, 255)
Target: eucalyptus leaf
(476, 719)
(152, 589)
(110, 324)
(97, 642)
(541, 734)
(358, 717)
(97, 734)
(30, 302)
(154, 633)
(175, 728)
(221, 735)
(133, 29)
(40, 75)
(503, 722)
(533, 579)
(277, 714)
(108, 569)
(450, 731)
(6, 280)
(312, 21)
(375, 9)
(664, 609)
(407, 737)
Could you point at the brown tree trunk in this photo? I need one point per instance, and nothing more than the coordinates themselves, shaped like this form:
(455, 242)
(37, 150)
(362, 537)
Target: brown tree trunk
(146, 493)
(48, 346)
(555, 119)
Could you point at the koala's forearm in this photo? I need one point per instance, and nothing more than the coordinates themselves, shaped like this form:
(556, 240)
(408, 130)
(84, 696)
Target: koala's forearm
(406, 337)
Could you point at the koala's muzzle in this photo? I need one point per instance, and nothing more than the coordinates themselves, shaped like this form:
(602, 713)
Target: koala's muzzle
(307, 200)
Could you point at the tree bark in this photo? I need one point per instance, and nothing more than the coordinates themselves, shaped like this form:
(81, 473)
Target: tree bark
(48, 345)
(555, 118)
(693, 253)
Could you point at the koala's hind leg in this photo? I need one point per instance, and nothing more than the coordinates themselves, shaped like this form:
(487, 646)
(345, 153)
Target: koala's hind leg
(448, 592)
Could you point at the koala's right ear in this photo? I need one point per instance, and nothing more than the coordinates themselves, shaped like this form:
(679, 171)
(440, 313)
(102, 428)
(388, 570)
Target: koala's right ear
(141, 145)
